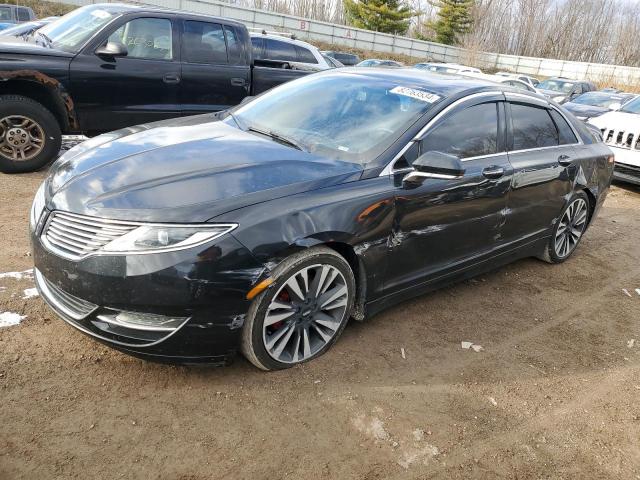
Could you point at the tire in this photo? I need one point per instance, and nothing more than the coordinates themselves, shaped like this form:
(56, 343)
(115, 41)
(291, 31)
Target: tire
(28, 127)
(571, 225)
(272, 344)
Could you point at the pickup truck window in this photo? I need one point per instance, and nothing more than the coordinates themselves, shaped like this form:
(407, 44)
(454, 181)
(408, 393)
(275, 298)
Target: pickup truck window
(277, 50)
(23, 15)
(234, 47)
(148, 38)
(256, 44)
(5, 13)
(203, 43)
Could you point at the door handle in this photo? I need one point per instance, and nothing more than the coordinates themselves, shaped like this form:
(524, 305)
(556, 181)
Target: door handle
(564, 160)
(238, 82)
(493, 171)
(171, 78)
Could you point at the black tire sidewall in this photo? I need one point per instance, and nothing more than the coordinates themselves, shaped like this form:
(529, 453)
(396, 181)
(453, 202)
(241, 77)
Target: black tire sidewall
(551, 247)
(263, 301)
(16, 105)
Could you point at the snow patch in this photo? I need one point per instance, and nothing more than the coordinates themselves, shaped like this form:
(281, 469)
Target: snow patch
(25, 274)
(9, 319)
(30, 293)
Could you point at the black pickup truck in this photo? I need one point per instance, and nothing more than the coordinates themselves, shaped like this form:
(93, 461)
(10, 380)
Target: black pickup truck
(103, 67)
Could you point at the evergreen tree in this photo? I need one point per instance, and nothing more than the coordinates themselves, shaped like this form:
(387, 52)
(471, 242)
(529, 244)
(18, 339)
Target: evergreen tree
(387, 16)
(454, 18)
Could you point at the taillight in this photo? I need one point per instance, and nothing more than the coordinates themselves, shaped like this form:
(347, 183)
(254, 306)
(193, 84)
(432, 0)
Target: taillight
(611, 159)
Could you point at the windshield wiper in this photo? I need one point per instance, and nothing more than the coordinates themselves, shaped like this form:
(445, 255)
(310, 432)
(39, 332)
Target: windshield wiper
(48, 41)
(276, 136)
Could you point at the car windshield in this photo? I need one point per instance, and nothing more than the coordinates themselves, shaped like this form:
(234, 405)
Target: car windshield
(369, 63)
(632, 107)
(340, 115)
(72, 31)
(597, 99)
(556, 86)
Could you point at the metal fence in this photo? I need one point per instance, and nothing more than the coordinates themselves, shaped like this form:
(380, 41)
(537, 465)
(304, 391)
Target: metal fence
(306, 29)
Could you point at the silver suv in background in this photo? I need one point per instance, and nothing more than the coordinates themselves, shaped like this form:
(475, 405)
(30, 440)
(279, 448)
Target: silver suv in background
(276, 46)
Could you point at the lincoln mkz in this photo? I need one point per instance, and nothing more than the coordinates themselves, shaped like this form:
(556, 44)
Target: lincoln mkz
(266, 227)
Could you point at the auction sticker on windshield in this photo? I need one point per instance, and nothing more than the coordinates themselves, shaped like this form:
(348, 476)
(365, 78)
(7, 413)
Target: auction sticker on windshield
(417, 94)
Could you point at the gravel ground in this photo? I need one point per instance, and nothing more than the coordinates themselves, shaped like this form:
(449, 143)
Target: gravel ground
(552, 394)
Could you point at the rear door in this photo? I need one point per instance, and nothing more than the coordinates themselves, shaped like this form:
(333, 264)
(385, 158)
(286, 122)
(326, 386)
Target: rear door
(215, 67)
(444, 225)
(541, 151)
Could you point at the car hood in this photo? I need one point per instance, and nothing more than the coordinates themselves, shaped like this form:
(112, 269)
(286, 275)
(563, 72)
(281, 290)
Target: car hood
(20, 46)
(185, 170)
(580, 110)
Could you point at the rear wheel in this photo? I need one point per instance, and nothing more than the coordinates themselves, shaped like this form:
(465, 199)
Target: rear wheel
(303, 313)
(568, 231)
(30, 136)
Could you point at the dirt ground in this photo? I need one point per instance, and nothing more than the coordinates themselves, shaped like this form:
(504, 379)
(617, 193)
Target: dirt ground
(553, 394)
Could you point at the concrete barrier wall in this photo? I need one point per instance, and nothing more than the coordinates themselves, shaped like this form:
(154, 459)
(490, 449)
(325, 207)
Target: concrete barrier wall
(306, 29)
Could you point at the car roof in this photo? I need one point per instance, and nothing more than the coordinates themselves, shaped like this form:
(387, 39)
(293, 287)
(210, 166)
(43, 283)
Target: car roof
(282, 38)
(126, 8)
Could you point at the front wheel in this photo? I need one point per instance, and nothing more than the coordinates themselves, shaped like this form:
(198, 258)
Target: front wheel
(303, 313)
(30, 136)
(568, 231)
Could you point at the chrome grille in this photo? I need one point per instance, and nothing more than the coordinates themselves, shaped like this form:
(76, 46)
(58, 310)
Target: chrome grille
(75, 236)
(621, 138)
(68, 304)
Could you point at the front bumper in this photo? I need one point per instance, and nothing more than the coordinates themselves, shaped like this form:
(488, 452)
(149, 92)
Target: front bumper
(202, 291)
(627, 166)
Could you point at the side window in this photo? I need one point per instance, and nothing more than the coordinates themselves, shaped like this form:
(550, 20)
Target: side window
(567, 137)
(256, 45)
(234, 47)
(203, 43)
(148, 38)
(305, 56)
(468, 133)
(532, 127)
(277, 50)
(22, 14)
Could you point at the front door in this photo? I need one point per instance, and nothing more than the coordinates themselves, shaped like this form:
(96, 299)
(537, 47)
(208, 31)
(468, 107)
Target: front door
(444, 225)
(143, 86)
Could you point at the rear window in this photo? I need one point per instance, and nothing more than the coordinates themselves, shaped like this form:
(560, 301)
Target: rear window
(203, 42)
(305, 56)
(532, 127)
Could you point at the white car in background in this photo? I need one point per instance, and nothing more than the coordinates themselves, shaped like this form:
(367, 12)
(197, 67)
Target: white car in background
(621, 132)
(446, 68)
(286, 48)
(529, 80)
(512, 82)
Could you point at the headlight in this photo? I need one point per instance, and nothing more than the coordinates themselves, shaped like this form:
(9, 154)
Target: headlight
(161, 238)
(37, 207)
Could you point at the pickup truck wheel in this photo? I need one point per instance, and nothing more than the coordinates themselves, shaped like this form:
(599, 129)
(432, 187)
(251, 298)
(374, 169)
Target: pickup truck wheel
(30, 136)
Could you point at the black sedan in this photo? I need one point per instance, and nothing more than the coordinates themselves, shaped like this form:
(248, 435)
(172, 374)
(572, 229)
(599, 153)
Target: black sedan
(593, 104)
(331, 197)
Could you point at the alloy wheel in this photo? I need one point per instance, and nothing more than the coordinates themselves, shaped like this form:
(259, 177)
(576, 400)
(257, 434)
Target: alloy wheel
(305, 314)
(21, 138)
(571, 228)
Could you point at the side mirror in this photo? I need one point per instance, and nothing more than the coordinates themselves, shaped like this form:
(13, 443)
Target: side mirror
(435, 165)
(615, 106)
(112, 50)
